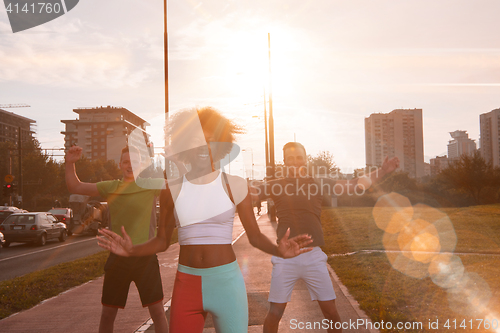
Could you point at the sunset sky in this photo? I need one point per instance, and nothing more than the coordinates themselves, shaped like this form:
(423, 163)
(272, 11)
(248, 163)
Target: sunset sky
(333, 64)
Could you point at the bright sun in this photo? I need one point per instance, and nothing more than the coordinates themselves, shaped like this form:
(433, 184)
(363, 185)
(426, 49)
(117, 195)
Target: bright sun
(247, 66)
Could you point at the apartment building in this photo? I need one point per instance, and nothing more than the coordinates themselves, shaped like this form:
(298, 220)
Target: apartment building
(102, 132)
(397, 133)
(489, 139)
(12, 125)
(438, 164)
(460, 144)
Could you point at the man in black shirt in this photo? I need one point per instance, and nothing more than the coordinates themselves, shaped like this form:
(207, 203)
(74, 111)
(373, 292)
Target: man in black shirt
(298, 199)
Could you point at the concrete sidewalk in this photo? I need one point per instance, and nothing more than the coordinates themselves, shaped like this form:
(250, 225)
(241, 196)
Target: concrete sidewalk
(78, 310)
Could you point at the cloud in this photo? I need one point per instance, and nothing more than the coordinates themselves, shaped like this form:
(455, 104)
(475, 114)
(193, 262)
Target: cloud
(79, 56)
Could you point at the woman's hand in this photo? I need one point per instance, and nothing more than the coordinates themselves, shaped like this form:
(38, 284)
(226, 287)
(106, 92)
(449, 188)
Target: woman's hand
(111, 241)
(292, 247)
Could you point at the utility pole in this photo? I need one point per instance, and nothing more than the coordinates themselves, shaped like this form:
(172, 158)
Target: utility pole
(20, 182)
(251, 151)
(19, 149)
(10, 163)
(10, 173)
(168, 165)
(271, 172)
(265, 125)
(165, 47)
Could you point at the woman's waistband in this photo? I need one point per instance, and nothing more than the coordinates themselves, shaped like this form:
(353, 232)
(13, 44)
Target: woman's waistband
(227, 268)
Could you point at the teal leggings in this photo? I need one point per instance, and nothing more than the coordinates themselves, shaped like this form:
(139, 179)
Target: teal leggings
(219, 290)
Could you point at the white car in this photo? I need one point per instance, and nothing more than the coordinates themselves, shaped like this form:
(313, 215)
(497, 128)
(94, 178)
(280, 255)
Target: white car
(6, 211)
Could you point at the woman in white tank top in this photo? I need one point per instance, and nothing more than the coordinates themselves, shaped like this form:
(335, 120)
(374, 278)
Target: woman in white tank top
(202, 204)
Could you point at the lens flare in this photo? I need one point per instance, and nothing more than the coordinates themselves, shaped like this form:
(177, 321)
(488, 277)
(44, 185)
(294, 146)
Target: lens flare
(442, 223)
(410, 267)
(446, 270)
(392, 212)
(424, 247)
(470, 296)
(244, 266)
(419, 241)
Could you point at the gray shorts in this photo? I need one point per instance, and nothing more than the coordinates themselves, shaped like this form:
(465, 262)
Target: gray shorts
(310, 267)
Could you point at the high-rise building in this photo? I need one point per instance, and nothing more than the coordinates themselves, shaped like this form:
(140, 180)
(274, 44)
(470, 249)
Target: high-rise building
(427, 169)
(11, 123)
(489, 139)
(397, 133)
(102, 132)
(438, 164)
(460, 144)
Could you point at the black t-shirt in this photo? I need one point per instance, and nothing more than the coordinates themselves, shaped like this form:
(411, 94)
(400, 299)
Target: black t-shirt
(298, 205)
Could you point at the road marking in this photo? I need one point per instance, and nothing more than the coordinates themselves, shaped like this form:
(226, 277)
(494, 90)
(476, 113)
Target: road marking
(55, 247)
(424, 252)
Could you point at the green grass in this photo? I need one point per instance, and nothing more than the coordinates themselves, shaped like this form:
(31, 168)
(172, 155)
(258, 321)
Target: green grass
(24, 292)
(385, 293)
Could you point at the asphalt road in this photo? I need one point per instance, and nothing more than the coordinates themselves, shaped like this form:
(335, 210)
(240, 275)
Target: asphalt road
(20, 259)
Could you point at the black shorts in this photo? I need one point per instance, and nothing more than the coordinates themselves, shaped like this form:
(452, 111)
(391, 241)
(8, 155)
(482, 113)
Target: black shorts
(121, 271)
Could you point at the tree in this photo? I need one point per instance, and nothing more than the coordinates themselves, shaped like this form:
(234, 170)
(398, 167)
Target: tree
(105, 170)
(44, 178)
(473, 175)
(323, 165)
(40, 177)
(398, 182)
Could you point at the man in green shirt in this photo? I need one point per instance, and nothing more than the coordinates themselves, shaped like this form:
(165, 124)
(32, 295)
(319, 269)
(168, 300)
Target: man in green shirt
(131, 203)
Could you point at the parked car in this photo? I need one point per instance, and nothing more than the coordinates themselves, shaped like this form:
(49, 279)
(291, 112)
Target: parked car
(89, 215)
(64, 215)
(35, 227)
(2, 240)
(6, 211)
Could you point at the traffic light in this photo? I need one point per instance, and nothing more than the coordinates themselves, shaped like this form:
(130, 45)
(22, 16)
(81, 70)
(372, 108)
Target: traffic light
(7, 189)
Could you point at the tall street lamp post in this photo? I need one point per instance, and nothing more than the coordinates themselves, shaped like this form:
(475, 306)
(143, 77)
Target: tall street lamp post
(251, 150)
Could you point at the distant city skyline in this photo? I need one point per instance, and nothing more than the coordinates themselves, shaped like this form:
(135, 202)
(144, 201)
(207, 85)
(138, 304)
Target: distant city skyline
(102, 132)
(333, 64)
(490, 136)
(12, 125)
(396, 134)
(460, 144)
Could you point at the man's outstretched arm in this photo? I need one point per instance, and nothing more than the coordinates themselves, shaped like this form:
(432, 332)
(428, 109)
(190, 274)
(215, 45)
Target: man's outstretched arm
(373, 177)
(74, 184)
(260, 192)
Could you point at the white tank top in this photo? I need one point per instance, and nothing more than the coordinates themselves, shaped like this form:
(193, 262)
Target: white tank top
(205, 213)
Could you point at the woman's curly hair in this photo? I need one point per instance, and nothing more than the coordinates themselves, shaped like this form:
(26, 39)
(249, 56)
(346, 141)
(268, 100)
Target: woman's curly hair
(182, 125)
